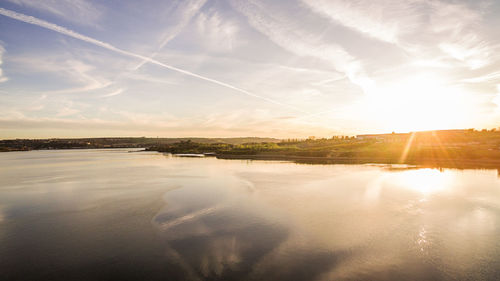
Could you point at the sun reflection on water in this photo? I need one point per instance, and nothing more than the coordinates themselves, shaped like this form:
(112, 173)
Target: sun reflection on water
(422, 239)
(426, 181)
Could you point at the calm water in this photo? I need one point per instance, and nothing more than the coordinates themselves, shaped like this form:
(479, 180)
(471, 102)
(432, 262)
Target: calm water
(110, 214)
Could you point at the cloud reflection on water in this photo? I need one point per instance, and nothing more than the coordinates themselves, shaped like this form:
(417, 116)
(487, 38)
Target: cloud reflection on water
(144, 216)
(316, 224)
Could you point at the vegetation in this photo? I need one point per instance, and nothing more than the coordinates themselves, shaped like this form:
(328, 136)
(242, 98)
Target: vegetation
(450, 147)
(34, 144)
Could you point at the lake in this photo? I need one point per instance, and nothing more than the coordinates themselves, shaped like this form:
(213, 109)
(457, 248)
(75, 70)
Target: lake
(120, 215)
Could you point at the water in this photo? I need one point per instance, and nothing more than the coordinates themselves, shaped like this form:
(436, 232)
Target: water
(115, 215)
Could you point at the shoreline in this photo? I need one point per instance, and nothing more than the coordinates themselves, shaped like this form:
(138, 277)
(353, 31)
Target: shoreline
(318, 160)
(424, 163)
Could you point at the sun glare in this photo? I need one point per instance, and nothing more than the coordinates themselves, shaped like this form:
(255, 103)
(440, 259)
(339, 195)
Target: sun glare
(424, 180)
(422, 102)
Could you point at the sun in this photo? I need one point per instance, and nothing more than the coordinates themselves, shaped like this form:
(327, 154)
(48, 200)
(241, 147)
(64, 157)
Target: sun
(417, 103)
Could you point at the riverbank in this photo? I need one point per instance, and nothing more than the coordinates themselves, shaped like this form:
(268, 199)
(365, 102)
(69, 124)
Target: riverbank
(426, 163)
(447, 149)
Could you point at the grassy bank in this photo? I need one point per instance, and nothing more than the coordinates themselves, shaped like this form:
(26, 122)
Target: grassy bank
(427, 148)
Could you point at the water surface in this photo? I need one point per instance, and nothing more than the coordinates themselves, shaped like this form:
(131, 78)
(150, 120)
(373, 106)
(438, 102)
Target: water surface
(115, 215)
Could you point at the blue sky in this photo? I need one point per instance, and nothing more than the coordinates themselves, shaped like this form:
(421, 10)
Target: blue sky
(246, 68)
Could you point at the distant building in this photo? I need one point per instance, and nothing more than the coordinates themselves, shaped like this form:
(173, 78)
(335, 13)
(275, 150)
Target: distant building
(367, 137)
(395, 137)
(384, 137)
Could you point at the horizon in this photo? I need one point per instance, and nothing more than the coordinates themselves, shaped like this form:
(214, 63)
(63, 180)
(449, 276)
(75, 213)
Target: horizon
(261, 137)
(230, 68)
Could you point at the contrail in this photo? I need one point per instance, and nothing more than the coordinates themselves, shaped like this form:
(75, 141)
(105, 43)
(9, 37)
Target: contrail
(71, 33)
(191, 10)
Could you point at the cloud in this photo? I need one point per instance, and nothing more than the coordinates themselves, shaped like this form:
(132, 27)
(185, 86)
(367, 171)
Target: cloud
(72, 69)
(414, 25)
(287, 34)
(71, 33)
(496, 98)
(186, 11)
(2, 76)
(236, 122)
(469, 50)
(452, 17)
(82, 72)
(147, 78)
(218, 34)
(384, 20)
(489, 77)
(113, 93)
(67, 111)
(78, 11)
(459, 25)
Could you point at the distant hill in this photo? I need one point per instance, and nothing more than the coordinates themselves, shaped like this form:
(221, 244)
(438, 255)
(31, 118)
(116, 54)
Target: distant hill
(240, 140)
(112, 142)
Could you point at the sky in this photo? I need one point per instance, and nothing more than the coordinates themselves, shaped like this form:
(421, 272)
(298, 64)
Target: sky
(228, 68)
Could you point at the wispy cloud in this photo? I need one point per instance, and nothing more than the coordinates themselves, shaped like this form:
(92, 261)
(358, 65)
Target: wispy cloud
(469, 50)
(147, 78)
(77, 11)
(71, 69)
(458, 26)
(2, 76)
(218, 34)
(113, 93)
(493, 76)
(67, 110)
(71, 33)
(237, 122)
(496, 98)
(186, 10)
(452, 17)
(82, 71)
(290, 36)
(385, 20)
(453, 28)
(37, 104)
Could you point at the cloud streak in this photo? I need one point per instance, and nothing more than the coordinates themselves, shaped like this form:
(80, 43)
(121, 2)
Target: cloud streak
(460, 26)
(2, 77)
(114, 93)
(301, 42)
(62, 30)
(18, 122)
(189, 11)
(453, 28)
(72, 69)
(77, 11)
(382, 20)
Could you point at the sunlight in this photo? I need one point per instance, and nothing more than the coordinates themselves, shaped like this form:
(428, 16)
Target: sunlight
(408, 145)
(425, 181)
(421, 102)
